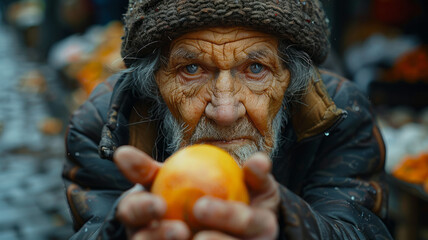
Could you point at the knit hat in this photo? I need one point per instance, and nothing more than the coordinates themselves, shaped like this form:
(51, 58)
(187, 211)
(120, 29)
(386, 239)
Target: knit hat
(150, 24)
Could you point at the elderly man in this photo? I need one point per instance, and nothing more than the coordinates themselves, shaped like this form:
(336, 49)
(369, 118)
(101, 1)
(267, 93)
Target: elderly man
(241, 75)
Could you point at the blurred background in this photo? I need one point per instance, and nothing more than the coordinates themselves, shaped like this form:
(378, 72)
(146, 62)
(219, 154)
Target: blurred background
(54, 52)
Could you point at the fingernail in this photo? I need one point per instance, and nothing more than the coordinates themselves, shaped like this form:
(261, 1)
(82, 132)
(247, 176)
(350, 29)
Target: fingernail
(199, 208)
(259, 155)
(200, 236)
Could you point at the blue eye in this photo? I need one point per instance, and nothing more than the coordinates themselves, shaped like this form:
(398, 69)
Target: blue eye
(256, 68)
(192, 68)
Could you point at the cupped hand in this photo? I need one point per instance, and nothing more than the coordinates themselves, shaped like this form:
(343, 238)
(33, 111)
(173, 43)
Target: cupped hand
(140, 211)
(232, 220)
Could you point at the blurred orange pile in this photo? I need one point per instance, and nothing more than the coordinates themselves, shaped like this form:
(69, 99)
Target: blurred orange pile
(104, 61)
(414, 169)
(412, 67)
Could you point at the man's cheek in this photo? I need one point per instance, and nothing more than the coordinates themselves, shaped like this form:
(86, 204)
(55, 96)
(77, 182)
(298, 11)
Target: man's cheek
(275, 98)
(173, 98)
(191, 111)
(257, 110)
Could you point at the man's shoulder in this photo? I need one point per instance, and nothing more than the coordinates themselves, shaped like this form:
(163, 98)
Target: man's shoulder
(105, 87)
(342, 90)
(92, 114)
(101, 96)
(332, 81)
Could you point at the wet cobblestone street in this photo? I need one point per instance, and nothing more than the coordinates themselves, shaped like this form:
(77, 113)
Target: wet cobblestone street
(32, 200)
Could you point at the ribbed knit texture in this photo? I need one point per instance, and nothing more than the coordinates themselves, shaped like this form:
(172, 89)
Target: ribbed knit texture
(149, 24)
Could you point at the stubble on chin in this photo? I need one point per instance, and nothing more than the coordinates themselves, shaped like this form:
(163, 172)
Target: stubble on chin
(207, 131)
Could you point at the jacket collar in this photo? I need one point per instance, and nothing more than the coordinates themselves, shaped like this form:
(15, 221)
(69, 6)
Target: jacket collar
(316, 112)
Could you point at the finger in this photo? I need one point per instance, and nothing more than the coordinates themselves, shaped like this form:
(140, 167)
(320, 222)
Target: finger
(235, 218)
(165, 230)
(212, 235)
(256, 170)
(139, 209)
(262, 187)
(136, 165)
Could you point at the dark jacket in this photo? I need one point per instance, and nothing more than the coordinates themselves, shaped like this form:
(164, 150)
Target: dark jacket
(329, 169)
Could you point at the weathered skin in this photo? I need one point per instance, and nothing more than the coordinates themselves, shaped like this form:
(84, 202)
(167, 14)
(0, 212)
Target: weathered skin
(223, 88)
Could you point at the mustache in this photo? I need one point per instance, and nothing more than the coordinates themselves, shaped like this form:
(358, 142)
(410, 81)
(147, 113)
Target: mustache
(208, 130)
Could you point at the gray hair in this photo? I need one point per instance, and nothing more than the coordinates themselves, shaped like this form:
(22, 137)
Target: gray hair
(140, 81)
(302, 71)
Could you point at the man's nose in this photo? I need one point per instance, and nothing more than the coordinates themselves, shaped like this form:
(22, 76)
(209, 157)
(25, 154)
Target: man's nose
(226, 105)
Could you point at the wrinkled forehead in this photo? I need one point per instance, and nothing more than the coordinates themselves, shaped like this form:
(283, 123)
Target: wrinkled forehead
(224, 43)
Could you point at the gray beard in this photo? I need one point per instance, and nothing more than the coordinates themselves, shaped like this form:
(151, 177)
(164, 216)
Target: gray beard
(206, 129)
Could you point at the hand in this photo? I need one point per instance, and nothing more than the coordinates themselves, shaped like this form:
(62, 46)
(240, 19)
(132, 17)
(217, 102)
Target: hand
(140, 211)
(230, 220)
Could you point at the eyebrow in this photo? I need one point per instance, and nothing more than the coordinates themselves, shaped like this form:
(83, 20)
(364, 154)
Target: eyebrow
(255, 55)
(183, 53)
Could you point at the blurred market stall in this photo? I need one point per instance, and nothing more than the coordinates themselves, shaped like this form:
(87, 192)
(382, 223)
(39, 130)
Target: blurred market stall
(384, 45)
(52, 54)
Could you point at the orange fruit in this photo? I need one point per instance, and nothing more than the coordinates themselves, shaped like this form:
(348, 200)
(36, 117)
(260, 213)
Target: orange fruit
(196, 171)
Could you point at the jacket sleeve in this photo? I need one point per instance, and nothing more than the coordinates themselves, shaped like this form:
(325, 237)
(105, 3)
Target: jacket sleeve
(93, 185)
(341, 196)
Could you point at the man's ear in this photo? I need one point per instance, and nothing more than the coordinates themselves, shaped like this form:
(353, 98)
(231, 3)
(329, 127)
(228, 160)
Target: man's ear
(315, 112)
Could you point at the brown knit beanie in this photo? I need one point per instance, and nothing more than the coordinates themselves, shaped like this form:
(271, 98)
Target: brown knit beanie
(149, 24)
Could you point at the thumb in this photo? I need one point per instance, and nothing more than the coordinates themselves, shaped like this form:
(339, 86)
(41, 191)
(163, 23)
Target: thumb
(262, 187)
(136, 165)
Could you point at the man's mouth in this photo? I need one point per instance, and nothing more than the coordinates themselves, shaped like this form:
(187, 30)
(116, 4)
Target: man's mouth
(227, 142)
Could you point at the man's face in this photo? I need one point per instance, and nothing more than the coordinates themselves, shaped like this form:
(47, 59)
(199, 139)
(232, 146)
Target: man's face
(225, 86)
